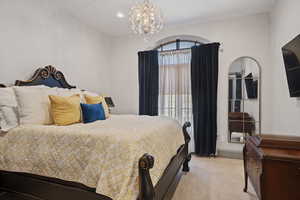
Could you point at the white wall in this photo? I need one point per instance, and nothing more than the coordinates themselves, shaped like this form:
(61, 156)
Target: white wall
(285, 25)
(244, 36)
(34, 34)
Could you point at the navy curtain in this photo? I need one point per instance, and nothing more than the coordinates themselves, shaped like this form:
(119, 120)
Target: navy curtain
(148, 83)
(204, 77)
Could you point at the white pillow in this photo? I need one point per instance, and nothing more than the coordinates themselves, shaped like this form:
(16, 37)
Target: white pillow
(2, 123)
(7, 97)
(93, 94)
(8, 109)
(8, 119)
(34, 104)
(70, 92)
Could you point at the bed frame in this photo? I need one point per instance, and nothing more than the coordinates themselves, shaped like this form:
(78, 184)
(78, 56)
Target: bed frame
(31, 186)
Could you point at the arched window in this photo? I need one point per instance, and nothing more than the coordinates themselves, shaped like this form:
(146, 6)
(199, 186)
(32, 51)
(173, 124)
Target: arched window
(177, 44)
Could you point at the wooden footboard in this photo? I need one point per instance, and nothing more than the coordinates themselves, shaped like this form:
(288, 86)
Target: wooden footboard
(167, 184)
(33, 187)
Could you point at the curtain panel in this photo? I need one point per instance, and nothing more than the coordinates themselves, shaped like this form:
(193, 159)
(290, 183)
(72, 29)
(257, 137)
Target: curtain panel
(148, 82)
(175, 98)
(175, 85)
(204, 78)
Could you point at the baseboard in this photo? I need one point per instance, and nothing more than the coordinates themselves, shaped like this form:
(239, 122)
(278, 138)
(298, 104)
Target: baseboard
(230, 154)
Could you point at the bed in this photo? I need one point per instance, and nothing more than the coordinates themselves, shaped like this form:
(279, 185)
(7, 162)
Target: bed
(123, 149)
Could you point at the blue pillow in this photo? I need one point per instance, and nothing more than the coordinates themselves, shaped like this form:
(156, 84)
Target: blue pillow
(92, 112)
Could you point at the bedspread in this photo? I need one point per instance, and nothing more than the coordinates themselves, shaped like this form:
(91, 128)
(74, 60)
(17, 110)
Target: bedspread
(102, 155)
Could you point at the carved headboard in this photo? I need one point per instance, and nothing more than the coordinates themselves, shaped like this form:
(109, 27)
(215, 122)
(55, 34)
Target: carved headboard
(48, 76)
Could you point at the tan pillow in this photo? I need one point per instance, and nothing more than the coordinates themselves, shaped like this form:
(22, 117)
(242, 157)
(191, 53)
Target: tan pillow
(97, 99)
(65, 110)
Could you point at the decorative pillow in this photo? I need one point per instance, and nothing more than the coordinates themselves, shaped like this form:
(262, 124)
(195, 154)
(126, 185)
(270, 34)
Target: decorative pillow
(65, 110)
(92, 112)
(34, 104)
(95, 100)
(8, 109)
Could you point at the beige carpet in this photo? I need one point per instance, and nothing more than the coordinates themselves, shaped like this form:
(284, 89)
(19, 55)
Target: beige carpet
(214, 179)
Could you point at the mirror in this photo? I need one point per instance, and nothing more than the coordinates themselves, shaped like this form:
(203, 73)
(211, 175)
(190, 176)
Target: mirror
(244, 115)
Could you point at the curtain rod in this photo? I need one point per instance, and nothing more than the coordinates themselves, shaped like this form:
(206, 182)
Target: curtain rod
(185, 50)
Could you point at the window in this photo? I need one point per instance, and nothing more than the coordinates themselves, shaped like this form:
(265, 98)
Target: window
(175, 97)
(177, 45)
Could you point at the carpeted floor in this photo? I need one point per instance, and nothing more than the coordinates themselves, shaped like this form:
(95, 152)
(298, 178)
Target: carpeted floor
(214, 179)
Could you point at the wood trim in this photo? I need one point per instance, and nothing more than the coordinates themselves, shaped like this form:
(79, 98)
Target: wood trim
(166, 186)
(277, 141)
(43, 74)
(41, 189)
(146, 188)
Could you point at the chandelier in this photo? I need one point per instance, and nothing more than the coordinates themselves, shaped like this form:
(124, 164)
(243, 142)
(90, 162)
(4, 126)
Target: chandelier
(145, 19)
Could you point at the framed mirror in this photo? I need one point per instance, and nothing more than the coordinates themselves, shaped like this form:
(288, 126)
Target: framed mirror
(244, 99)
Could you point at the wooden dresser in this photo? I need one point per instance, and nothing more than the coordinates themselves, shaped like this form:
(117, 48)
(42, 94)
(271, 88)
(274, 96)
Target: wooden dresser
(272, 163)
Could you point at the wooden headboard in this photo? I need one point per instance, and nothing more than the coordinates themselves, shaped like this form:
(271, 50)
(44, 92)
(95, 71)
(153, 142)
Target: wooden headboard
(48, 76)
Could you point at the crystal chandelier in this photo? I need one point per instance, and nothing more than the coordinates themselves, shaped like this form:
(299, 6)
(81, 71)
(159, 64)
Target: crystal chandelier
(146, 19)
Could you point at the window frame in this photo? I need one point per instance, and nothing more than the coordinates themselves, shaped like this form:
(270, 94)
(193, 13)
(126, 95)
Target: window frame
(177, 42)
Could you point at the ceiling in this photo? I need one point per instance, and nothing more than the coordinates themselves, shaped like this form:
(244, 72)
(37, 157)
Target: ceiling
(101, 14)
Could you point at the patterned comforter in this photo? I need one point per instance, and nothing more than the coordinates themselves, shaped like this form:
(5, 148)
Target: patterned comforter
(102, 155)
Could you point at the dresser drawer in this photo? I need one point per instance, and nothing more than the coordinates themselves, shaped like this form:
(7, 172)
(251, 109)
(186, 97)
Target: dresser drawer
(283, 176)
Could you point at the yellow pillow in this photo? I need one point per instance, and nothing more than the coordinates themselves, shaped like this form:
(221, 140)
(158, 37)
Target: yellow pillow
(97, 99)
(65, 110)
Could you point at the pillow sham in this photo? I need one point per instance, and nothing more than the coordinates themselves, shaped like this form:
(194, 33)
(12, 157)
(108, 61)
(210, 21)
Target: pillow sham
(8, 97)
(96, 100)
(86, 92)
(65, 110)
(92, 112)
(8, 109)
(70, 92)
(34, 104)
(8, 119)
